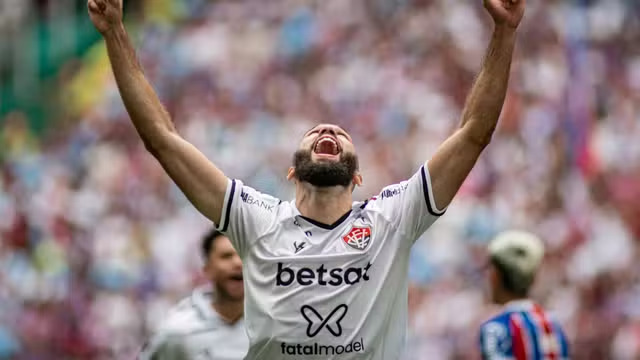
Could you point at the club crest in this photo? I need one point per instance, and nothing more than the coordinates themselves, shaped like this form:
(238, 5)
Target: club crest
(358, 238)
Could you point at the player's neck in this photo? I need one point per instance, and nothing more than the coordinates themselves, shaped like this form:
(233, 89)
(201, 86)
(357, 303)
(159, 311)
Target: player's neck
(506, 297)
(229, 310)
(325, 205)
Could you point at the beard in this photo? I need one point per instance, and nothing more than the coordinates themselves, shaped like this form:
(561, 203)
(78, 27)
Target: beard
(325, 174)
(228, 293)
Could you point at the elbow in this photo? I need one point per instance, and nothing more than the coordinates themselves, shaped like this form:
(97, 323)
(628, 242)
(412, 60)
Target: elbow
(159, 142)
(483, 140)
(151, 146)
(479, 137)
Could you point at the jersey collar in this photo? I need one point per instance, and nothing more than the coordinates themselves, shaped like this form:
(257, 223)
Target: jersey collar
(356, 206)
(520, 305)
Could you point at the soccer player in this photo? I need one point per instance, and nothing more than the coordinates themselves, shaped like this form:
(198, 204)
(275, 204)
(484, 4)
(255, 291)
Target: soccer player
(208, 324)
(325, 277)
(523, 331)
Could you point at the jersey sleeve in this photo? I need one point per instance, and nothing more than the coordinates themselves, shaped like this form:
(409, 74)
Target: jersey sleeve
(564, 342)
(494, 339)
(410, 204)
(246, 215)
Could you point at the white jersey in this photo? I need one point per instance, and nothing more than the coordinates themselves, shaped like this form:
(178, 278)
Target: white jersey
(194, 331)
(318, 291)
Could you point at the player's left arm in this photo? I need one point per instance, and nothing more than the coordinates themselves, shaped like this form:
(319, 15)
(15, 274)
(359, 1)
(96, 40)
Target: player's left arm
(455, 158)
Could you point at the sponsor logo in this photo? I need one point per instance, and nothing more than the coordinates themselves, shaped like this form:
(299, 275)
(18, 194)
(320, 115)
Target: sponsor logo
(396, 190)
(322, 276)
(318, 349)
(249, 199)
(358, 238)
(316, 322)
(298, 247)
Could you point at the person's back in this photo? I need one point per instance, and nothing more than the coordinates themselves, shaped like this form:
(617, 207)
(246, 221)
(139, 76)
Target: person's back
(524, 330)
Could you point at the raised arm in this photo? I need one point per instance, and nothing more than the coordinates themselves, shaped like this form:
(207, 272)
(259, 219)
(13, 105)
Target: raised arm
(456, 157)
(201, 181)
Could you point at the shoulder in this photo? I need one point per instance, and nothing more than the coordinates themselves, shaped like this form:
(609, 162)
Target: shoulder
(384, 198)
(391, 191)
(168, 336)
(257, 199)
(557, 325)
(415, 187)
(181, 319)
(496, 327)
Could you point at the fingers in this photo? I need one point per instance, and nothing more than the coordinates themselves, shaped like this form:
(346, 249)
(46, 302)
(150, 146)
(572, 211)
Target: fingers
(93, 7)
(101, 4)
(97, 6)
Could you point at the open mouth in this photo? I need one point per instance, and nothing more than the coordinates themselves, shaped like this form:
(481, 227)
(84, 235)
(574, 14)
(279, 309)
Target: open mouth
(236, 277)
(326, 145)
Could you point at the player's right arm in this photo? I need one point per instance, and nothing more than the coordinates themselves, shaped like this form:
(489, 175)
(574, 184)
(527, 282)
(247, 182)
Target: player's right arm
(200, 180)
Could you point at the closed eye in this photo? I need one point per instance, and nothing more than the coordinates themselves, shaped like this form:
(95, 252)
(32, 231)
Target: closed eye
(312, 132)
(345, 135)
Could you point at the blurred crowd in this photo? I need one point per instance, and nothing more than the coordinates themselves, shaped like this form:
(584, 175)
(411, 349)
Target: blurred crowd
(97, 242)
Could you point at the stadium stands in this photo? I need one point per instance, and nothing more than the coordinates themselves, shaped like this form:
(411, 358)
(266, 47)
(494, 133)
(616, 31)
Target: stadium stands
(96, 242)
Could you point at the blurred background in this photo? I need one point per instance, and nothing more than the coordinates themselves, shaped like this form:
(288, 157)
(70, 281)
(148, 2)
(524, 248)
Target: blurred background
(97, 242)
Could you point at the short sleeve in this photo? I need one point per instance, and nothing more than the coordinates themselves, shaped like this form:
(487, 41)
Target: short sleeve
(494, 337)
(410, 204)
(246, 215)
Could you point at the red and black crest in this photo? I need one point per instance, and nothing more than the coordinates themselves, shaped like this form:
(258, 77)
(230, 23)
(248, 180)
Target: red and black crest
(358, 238)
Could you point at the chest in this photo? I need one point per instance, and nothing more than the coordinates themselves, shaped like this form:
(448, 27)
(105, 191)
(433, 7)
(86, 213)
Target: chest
(300, 254)
(355, 237)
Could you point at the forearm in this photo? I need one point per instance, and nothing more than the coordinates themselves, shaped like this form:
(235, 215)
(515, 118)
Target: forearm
(147, 113)
(484, 104)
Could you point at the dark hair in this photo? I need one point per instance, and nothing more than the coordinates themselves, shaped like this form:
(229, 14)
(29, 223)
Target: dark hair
(513, 280)
(208, 241)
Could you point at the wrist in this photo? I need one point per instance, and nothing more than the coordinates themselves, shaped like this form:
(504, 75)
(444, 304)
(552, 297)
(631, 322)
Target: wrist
(114, 31)
(504, 30)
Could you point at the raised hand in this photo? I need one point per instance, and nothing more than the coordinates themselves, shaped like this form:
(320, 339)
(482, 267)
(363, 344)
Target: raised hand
(105, 14)
(506, 12)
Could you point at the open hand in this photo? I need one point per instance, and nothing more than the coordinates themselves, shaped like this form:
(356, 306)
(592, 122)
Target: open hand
(105, 14)
(506, 12)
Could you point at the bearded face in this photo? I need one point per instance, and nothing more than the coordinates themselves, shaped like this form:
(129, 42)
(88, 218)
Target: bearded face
(323, 173)
(224, 269)
(326, 157)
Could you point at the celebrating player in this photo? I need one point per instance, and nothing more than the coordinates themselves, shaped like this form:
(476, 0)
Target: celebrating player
(208, 324)
(325, 277)
(523, 330)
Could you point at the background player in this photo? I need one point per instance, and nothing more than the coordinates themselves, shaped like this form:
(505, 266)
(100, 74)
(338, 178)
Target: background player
(208, 324)
(523, 330)
(319, 267)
